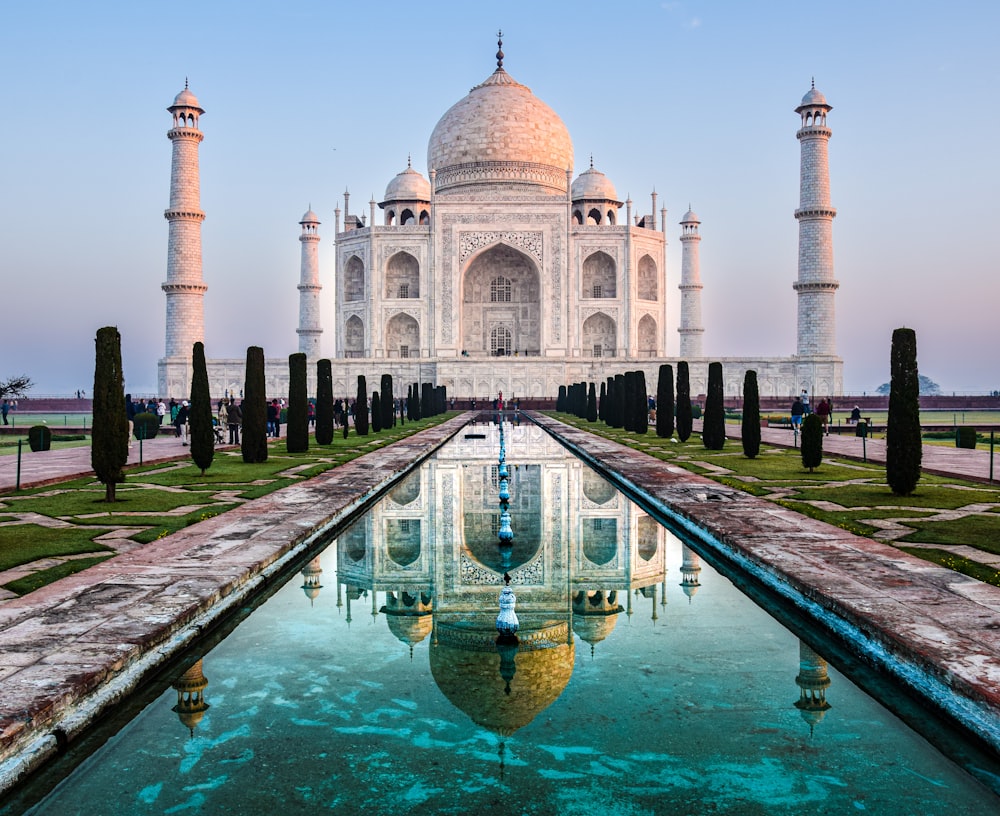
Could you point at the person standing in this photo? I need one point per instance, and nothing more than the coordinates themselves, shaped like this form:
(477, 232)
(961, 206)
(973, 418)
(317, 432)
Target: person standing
(6, 410)
(806, 410)
(823, 412)
(161, 411)
(234, 419)
(181, 422)
(223, 418)
(797, 410)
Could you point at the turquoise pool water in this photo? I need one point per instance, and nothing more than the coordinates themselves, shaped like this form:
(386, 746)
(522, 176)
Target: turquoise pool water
(644, 681)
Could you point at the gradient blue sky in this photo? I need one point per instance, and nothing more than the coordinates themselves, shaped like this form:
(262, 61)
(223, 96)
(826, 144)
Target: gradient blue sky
(693, 98)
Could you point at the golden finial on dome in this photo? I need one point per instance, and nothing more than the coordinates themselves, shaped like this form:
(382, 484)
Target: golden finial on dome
(499, 50)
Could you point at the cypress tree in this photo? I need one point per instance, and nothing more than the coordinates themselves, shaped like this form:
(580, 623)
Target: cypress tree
(641, 404)
(903, 449)
(200, 416)
(385, 401)
(361, 407)
(713, 429)
(427, 407)
(297, 432)
(665, 402)
(592, 404)
(109, 436)
(619, 402)
(324, 402)
(561, 399)
(812, 442)
(628, 406)
(416, 415)
(602, 402)
(683, 402)
(376, 412)
(750, 429)
(253, 445)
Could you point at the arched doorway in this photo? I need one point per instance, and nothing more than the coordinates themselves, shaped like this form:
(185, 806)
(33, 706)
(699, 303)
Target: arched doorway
(501, 303)
(599, 336)
(402, 336)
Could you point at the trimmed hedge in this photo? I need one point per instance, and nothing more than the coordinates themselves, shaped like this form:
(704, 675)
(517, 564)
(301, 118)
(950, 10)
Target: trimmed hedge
(40, 438)
(965, 437)
(145, 426)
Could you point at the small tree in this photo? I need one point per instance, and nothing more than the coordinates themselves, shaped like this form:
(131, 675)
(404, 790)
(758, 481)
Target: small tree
(109, 437)
(561, 399)
(200, 414)
(376, 412)
(416, 413)
(812, 442)
(619, 402)
(665, 402)
(713, 429)
(15, 387)
(324, 402)
(750, 430)
(592, 404)
(903, 446)
(297, 433)
(385, 400)
(428, 408)
(253, 445)
(602, 403)
(631, 395)
(361, 407)
(683, 402)
(641, 403)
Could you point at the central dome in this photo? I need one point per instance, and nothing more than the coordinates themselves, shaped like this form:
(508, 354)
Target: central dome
(500, 134)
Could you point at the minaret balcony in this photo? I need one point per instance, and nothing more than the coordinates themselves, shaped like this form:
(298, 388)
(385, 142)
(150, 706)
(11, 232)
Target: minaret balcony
(816, 286)
(816, 212)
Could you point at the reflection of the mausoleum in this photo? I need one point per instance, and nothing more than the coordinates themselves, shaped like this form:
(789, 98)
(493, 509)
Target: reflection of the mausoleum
(581, 550)
(431, 546)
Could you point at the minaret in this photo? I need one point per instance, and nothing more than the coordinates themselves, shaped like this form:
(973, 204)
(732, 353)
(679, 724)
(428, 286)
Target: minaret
(690, 328)
(184, 287)
(816, 286)
(309, 328)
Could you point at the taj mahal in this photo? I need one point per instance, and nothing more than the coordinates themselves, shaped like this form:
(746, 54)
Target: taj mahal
(501, 272)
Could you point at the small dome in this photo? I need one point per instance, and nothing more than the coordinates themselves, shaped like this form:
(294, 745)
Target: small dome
(309, 218)
(593, 184)
(408, 186)
(690, 217)
(186, 99)
(813, 99)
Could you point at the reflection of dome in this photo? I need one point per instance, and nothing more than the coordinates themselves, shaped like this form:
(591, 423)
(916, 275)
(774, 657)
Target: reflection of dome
(409, 629)
(813, 681)
(595, 615)
(465, 664)
(311, 573)
(501, 133)
(408, 186)
(593, 185)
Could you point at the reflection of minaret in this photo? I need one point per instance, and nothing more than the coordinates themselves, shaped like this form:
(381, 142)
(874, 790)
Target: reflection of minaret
(595, 614)
(813, 681)
(191, 705)
(310, 579)
(690, 567)
(650, 593)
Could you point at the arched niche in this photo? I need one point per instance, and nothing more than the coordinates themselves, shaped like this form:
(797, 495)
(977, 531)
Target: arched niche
(649, 537)
(600, 540)
(599, 335)
(402, 276)
(406, 491)
(354, 279)
(501, 289)
(600, 276)
(402, 540)
(354, 337)
(647, 335)
(596, 488)
(402, 336)
(647, 284)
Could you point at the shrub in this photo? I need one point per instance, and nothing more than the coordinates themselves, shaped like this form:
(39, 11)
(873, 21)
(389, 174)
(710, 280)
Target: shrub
(685, 411)
(965, 437)
(376, 412)
(386, 400)
(903, 447)
(253, 444)
(592, 404)
(750, 429)
(145, 425)
(361, 407)
(202, 427)
(39, 438)
(297, 432)
(665, 402)
(109, 438)
(324, 402)
(812, 442)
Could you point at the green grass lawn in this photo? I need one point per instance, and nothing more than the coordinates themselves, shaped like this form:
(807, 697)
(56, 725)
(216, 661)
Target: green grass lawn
(151, 496)
(849, 492)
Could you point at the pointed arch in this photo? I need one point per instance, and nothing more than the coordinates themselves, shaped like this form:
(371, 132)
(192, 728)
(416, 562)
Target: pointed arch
(402, 336)
(648, 279)
(354, 337)
(501, 289)
(600, 276)
(647, 335)
(354, 280)
(402, 276)
(600, 335)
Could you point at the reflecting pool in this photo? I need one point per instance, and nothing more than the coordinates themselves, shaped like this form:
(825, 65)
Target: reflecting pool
(642, 682)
